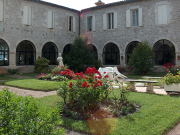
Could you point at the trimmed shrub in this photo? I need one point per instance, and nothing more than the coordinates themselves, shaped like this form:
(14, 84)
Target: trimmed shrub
(142, 58)
(42, 65)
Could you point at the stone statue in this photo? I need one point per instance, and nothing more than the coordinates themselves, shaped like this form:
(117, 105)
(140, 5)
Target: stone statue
(60, 60)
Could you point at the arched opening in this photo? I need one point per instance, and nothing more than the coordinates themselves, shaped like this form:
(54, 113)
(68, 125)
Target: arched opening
(4, 53)
(130, 47)
(92, 50)
(67, 49)
(50, 52)
(165, 52)
(111, 54)
(25, 53)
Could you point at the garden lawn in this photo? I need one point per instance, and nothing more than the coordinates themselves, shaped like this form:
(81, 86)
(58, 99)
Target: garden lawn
(158, 114)
(6, 78)
(30, 74)
(33, 84)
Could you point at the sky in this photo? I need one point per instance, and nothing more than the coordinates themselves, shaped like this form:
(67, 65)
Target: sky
(79, 4)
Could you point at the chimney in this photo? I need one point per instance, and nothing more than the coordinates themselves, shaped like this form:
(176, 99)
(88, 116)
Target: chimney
(100, 3)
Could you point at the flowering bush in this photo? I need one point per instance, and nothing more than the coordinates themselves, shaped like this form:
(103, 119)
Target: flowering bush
(59, 78)
(55, 70)
(169, 67)
(84, 90)
(63, 68)
(170, 78)
(68, 73)
(44, 76)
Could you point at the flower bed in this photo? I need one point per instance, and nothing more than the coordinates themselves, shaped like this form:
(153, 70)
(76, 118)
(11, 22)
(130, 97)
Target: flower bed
(90, 92)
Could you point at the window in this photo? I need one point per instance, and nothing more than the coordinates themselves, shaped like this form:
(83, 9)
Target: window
(71, 23)
(25, 53)
(135, 21)
(110, 20)
(89, 23)
(165, 52)
(134, 17)
(1, 10)
(162, 14)
(4, 53)
(50, 52)
(111, 54)
(51, 15)
(27, 15)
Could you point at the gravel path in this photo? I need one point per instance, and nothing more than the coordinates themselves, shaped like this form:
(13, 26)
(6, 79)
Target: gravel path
(36, 94)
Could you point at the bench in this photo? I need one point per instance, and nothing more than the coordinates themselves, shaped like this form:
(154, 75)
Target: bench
(149, 89)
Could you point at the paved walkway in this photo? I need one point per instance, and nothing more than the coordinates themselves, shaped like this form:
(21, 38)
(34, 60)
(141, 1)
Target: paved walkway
(157, 90)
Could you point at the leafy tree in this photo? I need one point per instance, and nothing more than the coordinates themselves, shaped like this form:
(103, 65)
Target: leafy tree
(142, 58)
(79, 58)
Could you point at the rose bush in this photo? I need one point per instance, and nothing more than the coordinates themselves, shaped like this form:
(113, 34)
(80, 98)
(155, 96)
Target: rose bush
(85, 89)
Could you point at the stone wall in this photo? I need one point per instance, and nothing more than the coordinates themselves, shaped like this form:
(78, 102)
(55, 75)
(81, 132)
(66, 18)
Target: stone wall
(13, 31)
(122, 36)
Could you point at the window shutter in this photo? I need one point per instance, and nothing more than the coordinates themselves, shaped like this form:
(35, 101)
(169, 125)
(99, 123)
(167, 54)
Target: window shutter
(25, 15)
(49, 19)
(1, 11)
(140, 16)
(53, 17)
(93, 23)
(74, 24)
(29, 15)
(104, 22)
(160, 15)
(115, 20)
(67, 22)
(164, 16)
(128, 18)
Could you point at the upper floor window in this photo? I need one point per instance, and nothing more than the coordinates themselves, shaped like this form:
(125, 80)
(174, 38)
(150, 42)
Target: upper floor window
(110, 20)
(91, 23)
(1, 10)
(71, 24)
(135, 21)
(27, 15)
(51, 15)
(134, 17)
(89, 19)
(162, 14)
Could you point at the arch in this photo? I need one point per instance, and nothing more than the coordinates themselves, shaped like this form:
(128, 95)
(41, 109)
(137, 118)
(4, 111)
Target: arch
(50, 52)
(67, 49)
(111, 54)
(4, 53)
(129, 48)
(92, 50)
(165, 52)
(25, 53)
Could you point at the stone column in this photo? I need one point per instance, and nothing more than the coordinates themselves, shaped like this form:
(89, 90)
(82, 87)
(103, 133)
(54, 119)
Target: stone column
(100, 56)
(12, 59)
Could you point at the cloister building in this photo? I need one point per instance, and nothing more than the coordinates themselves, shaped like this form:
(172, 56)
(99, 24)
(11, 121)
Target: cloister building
(33, 28)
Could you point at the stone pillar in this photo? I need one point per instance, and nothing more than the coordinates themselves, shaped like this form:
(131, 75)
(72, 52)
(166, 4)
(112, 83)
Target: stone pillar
(123, 60)
(100, 57)
(38, 54)
(12, 59)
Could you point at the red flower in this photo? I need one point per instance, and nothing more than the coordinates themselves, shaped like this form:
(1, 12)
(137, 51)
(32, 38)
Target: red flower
(106, 76)
(167, 69)
(104, 72)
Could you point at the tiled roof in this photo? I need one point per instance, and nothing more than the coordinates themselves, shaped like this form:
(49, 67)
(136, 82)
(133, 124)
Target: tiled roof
(109, 5)
(45, 2)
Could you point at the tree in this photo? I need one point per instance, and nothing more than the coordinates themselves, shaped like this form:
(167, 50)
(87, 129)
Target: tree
(142, 58)
(79, 58)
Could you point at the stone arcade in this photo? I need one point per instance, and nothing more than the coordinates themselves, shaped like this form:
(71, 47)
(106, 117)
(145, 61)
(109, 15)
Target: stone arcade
(33, 28)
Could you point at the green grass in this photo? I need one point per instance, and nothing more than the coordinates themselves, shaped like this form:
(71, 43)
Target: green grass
(33, 84)
(137, 76)
(158, 114)
(7, 78)
(30, 74)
